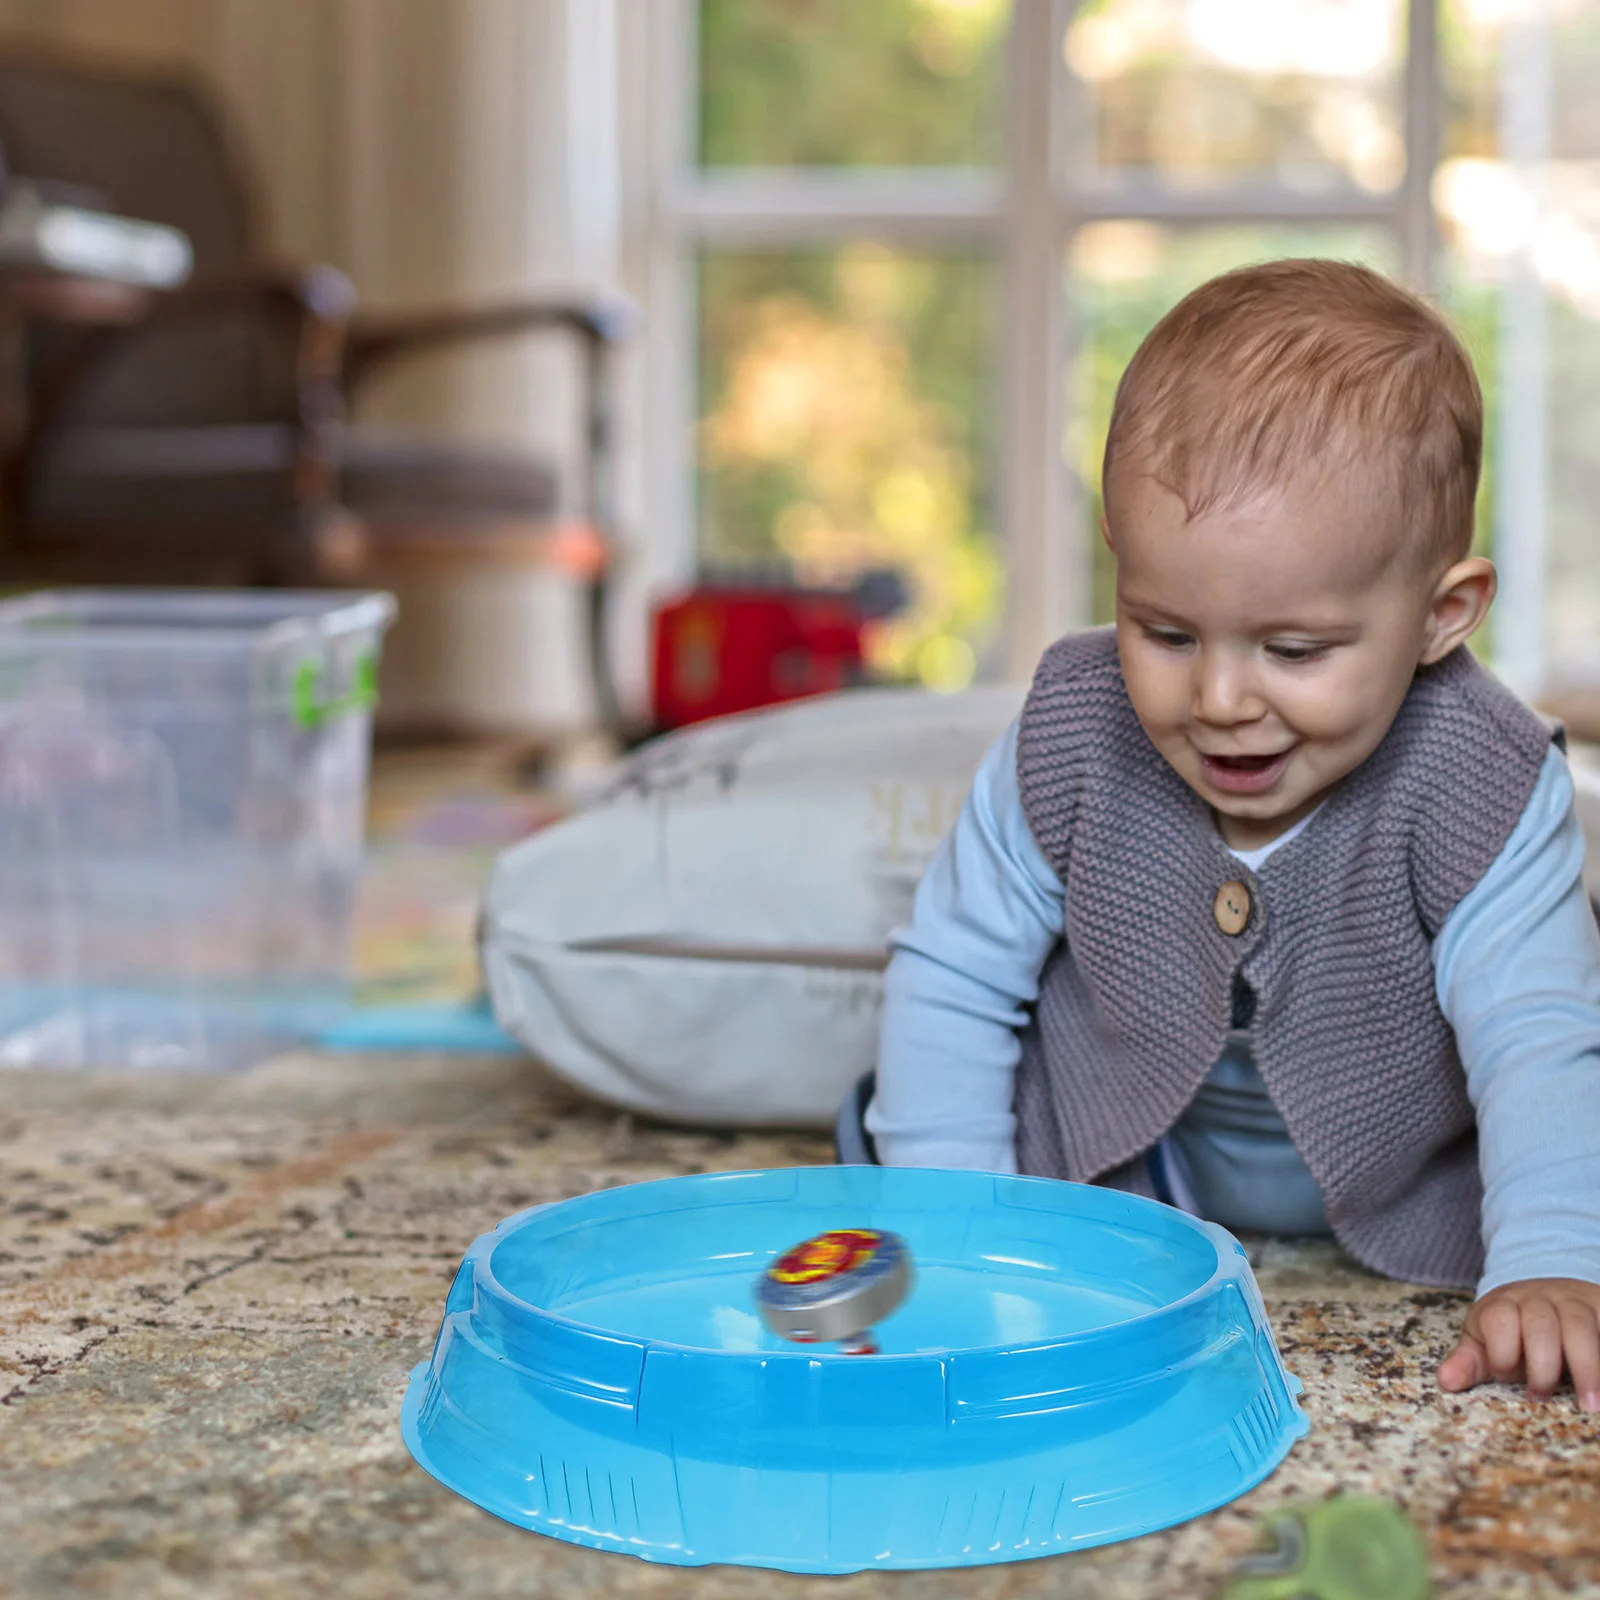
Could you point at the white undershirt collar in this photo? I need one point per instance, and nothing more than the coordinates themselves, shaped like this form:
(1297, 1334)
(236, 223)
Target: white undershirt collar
(1253, 858)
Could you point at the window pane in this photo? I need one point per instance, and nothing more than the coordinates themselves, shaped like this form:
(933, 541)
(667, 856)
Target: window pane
(845, 402)
(1200, 93)
(1522, 245)
(1475, 56)
(1122, 277)
(845, 83)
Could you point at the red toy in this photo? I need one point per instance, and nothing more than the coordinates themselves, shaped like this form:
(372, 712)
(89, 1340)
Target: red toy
(721, 649)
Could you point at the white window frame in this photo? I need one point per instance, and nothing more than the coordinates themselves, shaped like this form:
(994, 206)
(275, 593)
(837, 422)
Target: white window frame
(1024, 212)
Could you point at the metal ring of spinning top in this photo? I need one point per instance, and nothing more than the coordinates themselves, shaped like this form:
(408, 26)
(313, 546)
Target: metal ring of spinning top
(835, 1286)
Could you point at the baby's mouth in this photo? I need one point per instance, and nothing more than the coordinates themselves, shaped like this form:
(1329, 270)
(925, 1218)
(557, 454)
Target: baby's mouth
(1244, 774)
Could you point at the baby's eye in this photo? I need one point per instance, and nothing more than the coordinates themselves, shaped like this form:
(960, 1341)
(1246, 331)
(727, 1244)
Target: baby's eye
(1169, 638)
(1295, 651)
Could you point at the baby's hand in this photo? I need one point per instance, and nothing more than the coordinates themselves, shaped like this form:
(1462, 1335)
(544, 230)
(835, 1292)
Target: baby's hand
(1531, 1331)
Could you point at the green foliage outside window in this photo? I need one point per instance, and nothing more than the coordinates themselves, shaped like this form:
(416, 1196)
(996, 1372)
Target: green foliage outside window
(856, 83)
(847, 425)
(848, 391)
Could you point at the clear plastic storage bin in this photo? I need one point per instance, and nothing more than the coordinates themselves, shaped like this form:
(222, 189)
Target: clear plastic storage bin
(183, 781)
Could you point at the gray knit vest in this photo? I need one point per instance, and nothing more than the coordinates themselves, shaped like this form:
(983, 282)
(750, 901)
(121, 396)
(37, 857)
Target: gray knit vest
(1360, 1061)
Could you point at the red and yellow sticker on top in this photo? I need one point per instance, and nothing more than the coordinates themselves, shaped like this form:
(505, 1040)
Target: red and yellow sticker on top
(829, 1255)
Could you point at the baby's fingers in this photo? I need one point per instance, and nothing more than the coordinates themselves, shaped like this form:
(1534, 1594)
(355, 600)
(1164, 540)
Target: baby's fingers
(1500, 1329)
(1465, 1367)
(1581, 1337)
(1541, 1348)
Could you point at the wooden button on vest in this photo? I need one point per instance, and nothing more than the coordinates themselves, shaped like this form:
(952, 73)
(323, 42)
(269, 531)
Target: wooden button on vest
(1231, 908)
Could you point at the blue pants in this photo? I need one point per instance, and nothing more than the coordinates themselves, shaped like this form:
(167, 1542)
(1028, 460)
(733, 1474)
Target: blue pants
(852, 1144)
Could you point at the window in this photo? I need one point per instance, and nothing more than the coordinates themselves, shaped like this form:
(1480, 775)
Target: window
(903, 250)
(1518, 196)
(846, 425)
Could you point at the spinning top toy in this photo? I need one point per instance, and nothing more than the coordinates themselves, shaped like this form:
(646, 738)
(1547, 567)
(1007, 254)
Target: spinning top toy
(834, 1287)
(1351, 1547)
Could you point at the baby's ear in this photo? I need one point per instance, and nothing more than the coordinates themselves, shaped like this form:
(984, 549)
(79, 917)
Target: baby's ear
(1461, 601)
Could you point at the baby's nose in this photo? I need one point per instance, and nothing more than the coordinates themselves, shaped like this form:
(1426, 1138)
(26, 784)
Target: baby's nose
(1224, 691)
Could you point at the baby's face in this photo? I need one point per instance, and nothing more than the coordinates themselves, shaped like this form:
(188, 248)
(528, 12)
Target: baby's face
(1266, 646)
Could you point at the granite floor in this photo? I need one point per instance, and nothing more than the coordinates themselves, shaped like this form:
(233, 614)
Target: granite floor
(212, 1291)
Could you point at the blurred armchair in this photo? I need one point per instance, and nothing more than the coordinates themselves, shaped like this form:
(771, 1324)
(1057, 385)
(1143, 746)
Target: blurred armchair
(200, 435)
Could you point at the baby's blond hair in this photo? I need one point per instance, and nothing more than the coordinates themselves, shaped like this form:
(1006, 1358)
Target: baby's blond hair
(1270, 370)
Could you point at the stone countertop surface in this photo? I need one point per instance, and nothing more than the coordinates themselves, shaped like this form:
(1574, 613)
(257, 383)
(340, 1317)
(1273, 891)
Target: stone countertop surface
(212, 1291)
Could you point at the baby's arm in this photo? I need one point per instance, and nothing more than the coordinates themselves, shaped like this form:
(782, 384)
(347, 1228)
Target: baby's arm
(987, 914)
(1518, 969)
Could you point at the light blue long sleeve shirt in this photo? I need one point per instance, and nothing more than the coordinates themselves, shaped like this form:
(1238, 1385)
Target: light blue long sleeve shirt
(1517, 972)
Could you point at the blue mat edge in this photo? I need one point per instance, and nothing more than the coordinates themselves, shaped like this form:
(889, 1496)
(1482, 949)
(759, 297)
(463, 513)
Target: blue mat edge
(426, 1025)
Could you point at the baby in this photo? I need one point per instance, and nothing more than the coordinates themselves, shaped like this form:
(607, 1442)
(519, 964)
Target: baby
(1270, 902)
